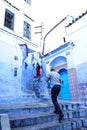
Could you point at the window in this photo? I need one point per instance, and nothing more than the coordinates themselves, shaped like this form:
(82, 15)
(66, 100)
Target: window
(9, 19)
(28, 1)
(27, 30)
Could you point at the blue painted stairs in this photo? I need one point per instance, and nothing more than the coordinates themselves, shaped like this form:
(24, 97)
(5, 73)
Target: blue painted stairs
(40, 116)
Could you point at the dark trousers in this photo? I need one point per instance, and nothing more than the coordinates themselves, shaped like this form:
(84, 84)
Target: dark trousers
(54, 93)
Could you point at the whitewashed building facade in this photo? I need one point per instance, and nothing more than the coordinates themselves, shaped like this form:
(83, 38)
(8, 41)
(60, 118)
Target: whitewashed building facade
(70, 60)
(16, 47)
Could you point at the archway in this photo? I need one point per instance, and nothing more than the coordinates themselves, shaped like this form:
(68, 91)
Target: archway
(60, 63)
(65, 89)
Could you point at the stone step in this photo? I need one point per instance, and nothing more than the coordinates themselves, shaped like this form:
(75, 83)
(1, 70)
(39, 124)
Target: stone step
(72, 124)
(37, 107)
(42, 117)
(35, 114)
(23, 110)
(25, 98)
(82, 129)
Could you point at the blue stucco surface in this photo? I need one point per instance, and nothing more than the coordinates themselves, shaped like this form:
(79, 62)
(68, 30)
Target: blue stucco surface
(82, 73)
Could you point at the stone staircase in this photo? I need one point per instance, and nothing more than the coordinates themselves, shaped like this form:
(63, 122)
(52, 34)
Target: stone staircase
(37, 86)
(40, 116)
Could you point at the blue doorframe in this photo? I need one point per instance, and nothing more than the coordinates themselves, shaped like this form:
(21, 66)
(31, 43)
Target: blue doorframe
(65, 89)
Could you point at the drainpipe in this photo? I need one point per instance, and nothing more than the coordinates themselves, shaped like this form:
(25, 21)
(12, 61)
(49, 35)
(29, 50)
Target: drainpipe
(50, 32)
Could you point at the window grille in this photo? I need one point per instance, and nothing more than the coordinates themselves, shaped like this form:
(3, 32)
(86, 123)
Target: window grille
(9, 19)
(27, 30)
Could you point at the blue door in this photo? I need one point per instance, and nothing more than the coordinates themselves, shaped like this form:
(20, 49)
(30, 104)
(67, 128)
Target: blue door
(65, 89)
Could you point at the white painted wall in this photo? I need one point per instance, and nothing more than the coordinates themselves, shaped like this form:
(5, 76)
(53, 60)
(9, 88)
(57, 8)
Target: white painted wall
(11, 85)
(77, 33)
(19, 17)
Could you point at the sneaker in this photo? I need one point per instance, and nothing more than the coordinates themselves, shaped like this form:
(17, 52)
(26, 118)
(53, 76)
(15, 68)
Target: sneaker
(56, 112)
(61, 117)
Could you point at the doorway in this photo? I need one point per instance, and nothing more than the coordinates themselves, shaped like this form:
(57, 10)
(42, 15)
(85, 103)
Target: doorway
(65, 88)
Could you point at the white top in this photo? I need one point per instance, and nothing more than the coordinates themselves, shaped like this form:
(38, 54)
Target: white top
(54, 78)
